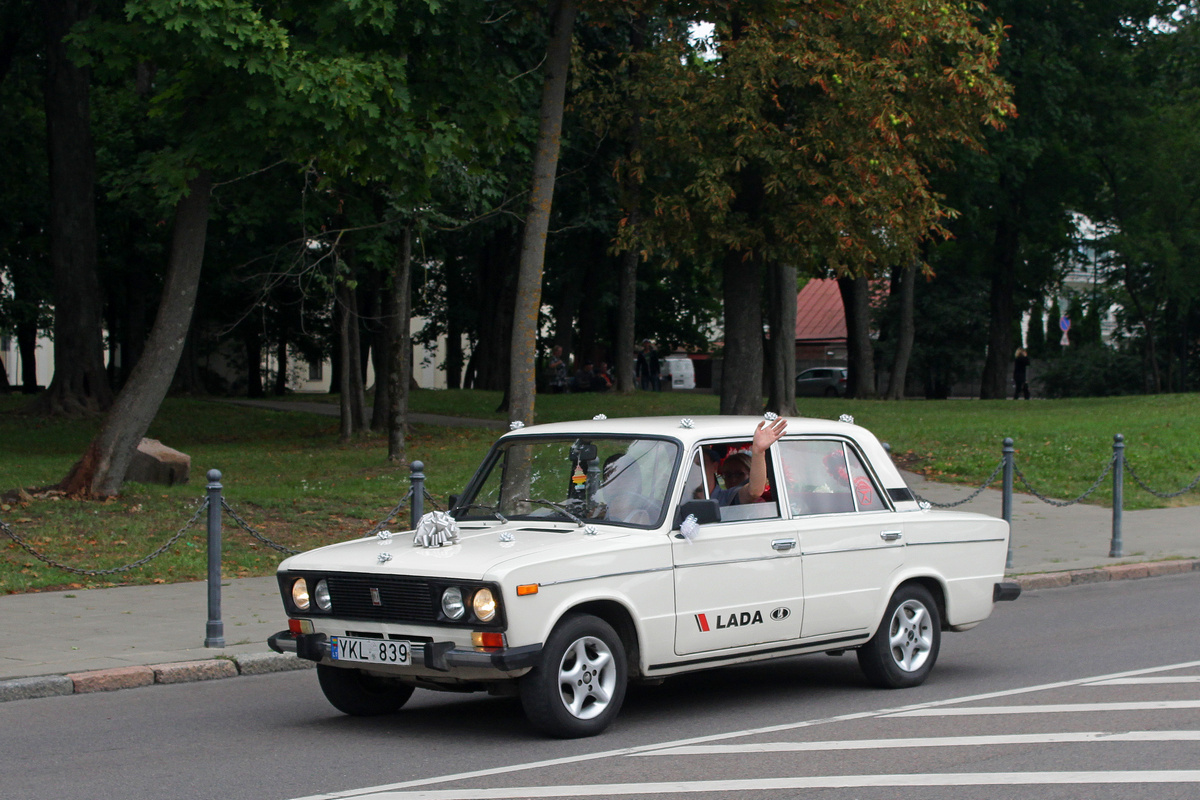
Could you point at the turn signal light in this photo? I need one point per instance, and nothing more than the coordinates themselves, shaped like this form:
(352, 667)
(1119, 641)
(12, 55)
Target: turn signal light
(527, 588)
(484, 639)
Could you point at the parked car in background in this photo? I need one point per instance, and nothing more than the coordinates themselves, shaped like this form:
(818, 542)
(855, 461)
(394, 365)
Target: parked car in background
(586, 555)
(822, 382)
(679, 372)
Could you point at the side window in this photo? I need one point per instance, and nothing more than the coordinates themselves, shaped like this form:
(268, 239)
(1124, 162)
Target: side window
(729, 463)
(816, 477)
(866, 493)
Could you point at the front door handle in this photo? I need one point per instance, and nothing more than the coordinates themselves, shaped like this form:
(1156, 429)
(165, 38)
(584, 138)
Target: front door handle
(890, 536)
(783, 544)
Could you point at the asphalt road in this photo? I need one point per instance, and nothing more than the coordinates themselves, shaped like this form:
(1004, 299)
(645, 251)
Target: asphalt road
(1090, 691)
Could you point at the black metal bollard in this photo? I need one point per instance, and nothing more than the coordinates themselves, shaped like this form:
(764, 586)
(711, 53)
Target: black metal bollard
(1116, 547)
(418, 492)
(215, 629)
(1006, 497)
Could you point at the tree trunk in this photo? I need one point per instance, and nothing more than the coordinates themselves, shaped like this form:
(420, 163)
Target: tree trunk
(399, 310)
(494, 297)
(781, 348)
(188, 379)
(380, 331)
(623, 359)
(353, 397)
(80, 384)
(522, 379)
(102, 469)
(27, 333)
(856, 302)
(252, 344)
(1001, 307)
(906, 331)
(626, 339)
(741, 384)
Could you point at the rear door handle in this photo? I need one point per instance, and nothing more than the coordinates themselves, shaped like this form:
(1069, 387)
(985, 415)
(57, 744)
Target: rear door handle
(890, 536)
(783, 544)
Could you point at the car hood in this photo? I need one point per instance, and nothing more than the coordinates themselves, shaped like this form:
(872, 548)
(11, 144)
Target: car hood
(479, 550)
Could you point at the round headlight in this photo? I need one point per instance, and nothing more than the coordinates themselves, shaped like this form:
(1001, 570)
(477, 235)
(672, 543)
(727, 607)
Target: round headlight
(452, 603)
(484, 605)
(300, 594)
(321, 595)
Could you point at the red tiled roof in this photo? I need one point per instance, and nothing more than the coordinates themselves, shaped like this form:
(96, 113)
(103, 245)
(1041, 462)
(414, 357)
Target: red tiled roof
(819, 312)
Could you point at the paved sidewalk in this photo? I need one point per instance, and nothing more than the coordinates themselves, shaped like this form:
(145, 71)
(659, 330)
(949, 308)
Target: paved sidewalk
(103, 639)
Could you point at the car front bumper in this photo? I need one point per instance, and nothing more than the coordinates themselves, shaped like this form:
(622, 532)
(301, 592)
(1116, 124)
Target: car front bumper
(437, 656)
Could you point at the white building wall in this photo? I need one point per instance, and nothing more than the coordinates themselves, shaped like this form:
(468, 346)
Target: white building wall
(427, 362)
(10, 360)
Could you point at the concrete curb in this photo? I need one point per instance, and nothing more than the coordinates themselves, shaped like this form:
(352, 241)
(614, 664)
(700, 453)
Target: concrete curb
(108, 680)
(1117, 572)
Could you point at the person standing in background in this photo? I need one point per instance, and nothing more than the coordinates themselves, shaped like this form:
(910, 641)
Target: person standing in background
(1020, 375)
(647, 368)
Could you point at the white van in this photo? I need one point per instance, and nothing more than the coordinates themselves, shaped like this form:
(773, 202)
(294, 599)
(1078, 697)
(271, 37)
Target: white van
(680, 371)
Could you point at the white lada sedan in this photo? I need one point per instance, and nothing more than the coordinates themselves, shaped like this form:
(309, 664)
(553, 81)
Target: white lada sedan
(585, 555)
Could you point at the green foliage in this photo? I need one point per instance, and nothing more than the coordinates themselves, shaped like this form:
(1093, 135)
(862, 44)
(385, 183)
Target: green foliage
(1091, 370)
(832, 113)
(1148, 154)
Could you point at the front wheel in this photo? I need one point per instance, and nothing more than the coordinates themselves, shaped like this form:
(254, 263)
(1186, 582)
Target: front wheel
(578, 685)
(903, 651)
(361, 694)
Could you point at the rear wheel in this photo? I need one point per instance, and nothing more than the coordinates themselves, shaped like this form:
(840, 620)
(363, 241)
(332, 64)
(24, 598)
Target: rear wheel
(361, 694)
(904, 649)
(578, 686)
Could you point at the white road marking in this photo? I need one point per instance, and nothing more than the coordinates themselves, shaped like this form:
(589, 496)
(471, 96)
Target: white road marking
(811, 782)
(1060, 708)
(1147, 681)
(769, 729)
(930, 741)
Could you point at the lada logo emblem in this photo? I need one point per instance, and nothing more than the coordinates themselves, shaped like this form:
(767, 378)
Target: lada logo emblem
(780, 614)
(375, 598)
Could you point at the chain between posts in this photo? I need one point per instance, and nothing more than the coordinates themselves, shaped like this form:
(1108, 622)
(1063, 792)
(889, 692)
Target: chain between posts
(1064, 503)
(391, 514)
(1162, 495)
(253, 533)
(200, 509)
(991, 479)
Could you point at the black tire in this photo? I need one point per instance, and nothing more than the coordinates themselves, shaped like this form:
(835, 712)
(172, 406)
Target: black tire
(578, 686)
(361, 694)
(905, 648)
(831, 392)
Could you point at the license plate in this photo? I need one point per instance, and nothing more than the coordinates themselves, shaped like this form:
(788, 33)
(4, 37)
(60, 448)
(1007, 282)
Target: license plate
(369, 651)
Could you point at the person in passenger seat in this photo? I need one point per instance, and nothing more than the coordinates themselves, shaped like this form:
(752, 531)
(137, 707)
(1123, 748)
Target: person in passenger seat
(744, 474)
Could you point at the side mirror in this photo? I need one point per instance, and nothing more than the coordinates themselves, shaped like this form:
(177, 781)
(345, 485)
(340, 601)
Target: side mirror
(583, 451)
(451, 502)
(705, 511)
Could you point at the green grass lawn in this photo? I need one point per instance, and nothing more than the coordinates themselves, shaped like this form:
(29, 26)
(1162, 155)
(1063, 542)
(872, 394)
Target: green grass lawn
(291, 480)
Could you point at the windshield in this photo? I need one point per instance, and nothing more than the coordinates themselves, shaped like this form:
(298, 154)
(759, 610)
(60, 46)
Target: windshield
(618, 480)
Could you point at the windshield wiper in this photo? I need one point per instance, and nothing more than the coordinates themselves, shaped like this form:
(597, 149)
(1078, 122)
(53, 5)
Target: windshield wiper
(555, 506)
(495, 512)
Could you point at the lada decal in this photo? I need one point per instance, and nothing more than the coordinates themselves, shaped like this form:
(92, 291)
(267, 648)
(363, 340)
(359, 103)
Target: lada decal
(716, 622)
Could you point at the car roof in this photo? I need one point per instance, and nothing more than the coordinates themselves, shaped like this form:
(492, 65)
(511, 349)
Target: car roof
(689, 430)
